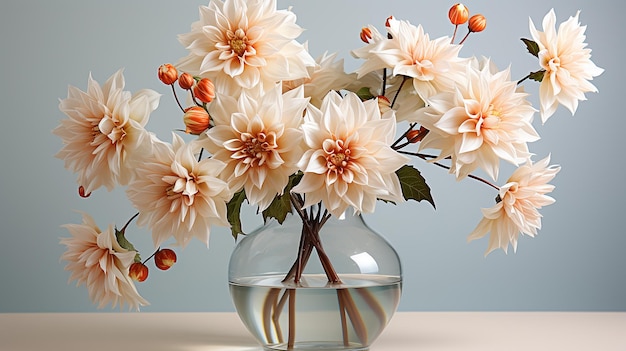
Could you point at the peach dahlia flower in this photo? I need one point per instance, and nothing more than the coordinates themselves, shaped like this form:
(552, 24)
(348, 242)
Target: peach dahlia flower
(484, 120)
(244, 44)
(349, 161)
(517, 209)
(105, 125)
(97, 260)
(259, 140)
(564, 55)
(177, 195)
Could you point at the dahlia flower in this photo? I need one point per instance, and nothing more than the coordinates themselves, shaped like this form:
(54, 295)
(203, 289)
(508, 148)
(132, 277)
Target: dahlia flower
(177, 195)
(567, 64)
(105, 125)
(96, 260)
(517, 209)
(349, 161)
(433, 65)
(259, 140)
(482, 121)
(244, 44)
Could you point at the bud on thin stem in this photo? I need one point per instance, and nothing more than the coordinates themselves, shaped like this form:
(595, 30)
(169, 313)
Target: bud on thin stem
(204, 90)
(186, 81)
(168, 74)
(457, 14)
(477, 23)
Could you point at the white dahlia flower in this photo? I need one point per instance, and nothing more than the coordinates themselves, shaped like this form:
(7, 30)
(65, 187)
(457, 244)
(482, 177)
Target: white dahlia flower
(349, 161)
(105, 126)
(564, 56)
(243, 44)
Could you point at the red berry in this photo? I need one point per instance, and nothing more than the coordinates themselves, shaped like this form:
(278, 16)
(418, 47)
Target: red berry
(164, 259)
(138, 271)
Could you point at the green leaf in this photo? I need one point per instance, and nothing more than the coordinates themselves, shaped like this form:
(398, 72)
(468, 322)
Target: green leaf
(124, 243)
(531, 46)
(413, 185)
(233, 209)
(537, 76)
(281, 205)
(364, 94)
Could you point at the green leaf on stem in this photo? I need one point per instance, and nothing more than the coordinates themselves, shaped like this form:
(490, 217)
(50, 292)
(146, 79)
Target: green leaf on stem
(531, 46)
(365, 94)
(537, 76)
(124, 243)
(281, 205)
(413, 185)
(233, 210)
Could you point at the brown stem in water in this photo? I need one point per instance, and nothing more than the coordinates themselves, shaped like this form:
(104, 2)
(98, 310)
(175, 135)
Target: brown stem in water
(292, 318)
(354, 314)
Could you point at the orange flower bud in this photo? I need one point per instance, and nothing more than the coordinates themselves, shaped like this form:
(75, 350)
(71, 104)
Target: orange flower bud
(458, 14)
(168, 74)
(477, 23)
(204, 90)
(164, 259)
(416, 135)
(138, 272)
(384, 104)
(196, 120)
(366, 35)
(186, 81)
(387, 21)
(81, 192)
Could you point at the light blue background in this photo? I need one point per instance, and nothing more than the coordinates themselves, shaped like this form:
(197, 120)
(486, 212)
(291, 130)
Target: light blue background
(576, 263)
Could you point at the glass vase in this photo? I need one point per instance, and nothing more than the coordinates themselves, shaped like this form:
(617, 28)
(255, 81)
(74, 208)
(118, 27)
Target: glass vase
(329, 287)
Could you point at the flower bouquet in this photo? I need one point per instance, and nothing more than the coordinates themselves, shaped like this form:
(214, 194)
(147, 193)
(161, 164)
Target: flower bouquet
(265, 124)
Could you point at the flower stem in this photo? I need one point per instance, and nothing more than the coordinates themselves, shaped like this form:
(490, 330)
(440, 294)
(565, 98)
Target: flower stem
(312, 223)
(176, 97)
(465, 37)
(154, 253)
(395, 143)
(425, 157)
(404, 79)
(382, 91)
(454, 34)
(128, 222)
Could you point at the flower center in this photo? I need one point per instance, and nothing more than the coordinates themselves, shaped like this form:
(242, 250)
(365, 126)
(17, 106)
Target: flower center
(491, 119)
(184, 187)
(238, 41)
(424, 70)
(337, 156)
(554, 63)
(257, 149)
(112, 129)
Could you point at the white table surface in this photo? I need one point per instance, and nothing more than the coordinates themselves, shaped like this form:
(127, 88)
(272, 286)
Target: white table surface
(467, 331)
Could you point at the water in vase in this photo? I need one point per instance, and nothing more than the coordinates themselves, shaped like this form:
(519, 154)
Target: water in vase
(315, 315)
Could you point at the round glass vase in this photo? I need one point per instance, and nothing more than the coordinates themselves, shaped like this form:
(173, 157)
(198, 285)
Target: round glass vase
(286, 297)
